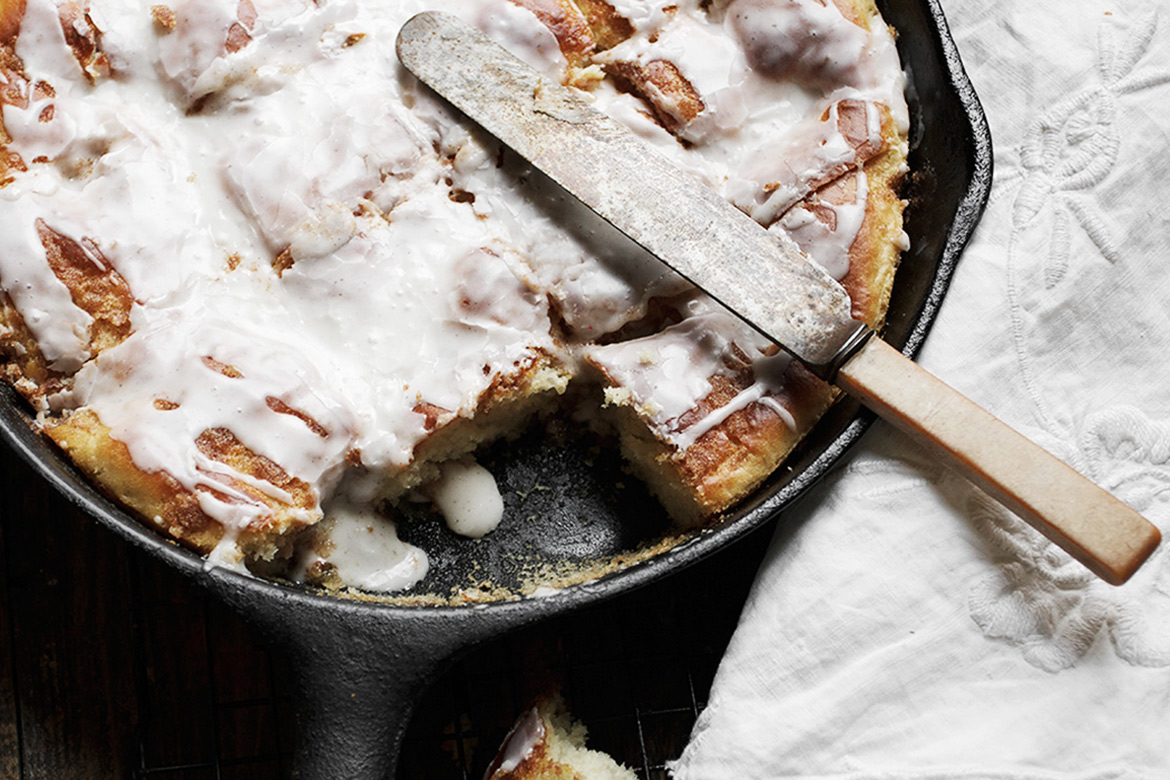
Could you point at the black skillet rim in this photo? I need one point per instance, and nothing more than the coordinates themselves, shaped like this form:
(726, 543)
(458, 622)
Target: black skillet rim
(18, 432)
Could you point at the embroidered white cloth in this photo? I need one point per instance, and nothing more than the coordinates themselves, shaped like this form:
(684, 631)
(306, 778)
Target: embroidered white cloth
(905, 626)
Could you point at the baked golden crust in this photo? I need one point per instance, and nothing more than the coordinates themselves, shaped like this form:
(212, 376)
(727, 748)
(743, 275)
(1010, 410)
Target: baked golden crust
(671, 97)
(546, 744)
(85, 40)
(13, 84)
(164, 503)
(731, 459)
(161, 501)
(94, 284)
(95, 287)
(11, 12)
(24, 364)
(874, 255)
(607, 26)
(725, 463)
(156, 497)
(582, 27)
(735, 456)
(502, 410)
(566, 22)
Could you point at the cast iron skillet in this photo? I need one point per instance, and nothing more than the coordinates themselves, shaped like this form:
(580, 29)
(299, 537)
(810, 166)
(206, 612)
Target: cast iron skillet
(361, 666)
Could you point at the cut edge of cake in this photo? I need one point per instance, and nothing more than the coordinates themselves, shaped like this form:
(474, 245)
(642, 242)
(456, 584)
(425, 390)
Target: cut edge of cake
(729, 461)
(546, 743)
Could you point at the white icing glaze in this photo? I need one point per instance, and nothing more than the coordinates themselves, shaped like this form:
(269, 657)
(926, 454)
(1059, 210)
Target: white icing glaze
(806, 40)
(164, 360)
(599, 277)
(198, 40)
(60, 328)
(785, 172)
(515, 28)
(750, 112)
(364, 549)
(467, 496)
(664, 376)
(642, 14)
(717, 74)
(826, 231)
(195, 56)
(522, 740)
(420, 266)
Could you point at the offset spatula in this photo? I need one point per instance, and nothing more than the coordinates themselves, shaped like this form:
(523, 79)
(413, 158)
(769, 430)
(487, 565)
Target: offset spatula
(767, 282)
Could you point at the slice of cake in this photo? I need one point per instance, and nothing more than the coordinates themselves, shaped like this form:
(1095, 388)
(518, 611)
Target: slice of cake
(547, 744)
(706, 409)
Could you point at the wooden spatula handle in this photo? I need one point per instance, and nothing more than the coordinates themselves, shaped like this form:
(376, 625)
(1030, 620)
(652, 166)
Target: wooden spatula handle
(1100, 531)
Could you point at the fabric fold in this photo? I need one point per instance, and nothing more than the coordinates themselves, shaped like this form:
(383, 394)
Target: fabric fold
(905, 625)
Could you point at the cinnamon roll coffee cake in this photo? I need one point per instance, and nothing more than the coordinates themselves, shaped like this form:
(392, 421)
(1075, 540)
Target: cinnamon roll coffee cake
(261, 286)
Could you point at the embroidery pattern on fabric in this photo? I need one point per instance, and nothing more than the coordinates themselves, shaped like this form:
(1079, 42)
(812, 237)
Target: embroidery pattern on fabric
(1042, 601)
(1039, 599)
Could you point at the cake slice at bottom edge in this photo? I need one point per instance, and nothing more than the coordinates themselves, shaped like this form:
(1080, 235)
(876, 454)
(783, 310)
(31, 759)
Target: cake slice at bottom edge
(547, 744)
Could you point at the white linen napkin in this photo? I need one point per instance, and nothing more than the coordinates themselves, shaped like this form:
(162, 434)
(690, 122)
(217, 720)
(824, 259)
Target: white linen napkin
(905, 626)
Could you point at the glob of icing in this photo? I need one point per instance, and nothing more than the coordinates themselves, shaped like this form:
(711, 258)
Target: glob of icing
(364, 550)
(522, 740)
(468, 498)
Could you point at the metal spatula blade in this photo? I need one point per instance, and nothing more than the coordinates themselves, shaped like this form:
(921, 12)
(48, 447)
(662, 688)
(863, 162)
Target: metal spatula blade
(762, 277)
(767, 282)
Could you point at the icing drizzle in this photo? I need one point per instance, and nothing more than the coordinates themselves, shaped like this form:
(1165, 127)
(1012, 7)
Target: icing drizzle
(327, 262)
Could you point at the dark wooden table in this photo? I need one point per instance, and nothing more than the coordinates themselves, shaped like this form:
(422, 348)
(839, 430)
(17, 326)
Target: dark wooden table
(114, 666)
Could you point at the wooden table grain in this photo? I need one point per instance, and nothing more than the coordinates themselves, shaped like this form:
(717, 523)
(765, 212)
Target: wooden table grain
(114, 666)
